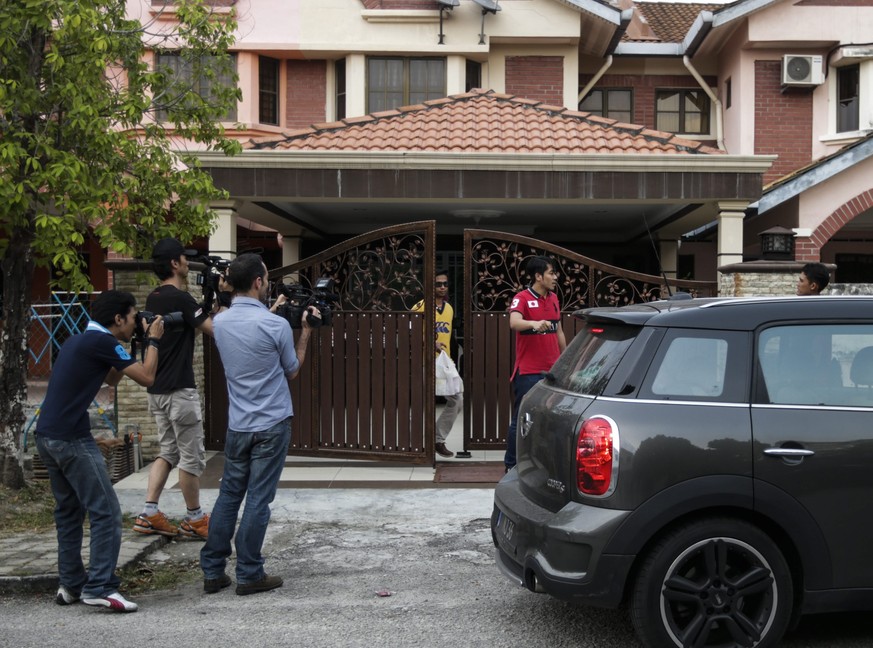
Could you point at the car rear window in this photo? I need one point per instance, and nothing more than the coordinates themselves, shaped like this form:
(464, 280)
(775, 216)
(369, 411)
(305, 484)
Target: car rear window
(589, 360)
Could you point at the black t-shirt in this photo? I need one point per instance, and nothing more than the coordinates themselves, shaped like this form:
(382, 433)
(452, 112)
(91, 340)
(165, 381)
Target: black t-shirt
(176, 357)
(77, 374)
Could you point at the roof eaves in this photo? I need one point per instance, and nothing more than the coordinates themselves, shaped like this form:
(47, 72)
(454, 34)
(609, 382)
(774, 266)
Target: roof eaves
(427, 160)
(816, 173)
(701, 26)
(598, 9)
(625, 20)
(706, 21)
(648, 49)
(739, 10)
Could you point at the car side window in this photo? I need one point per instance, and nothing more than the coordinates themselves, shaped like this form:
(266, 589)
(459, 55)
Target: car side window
(822, 364)
(697, 365)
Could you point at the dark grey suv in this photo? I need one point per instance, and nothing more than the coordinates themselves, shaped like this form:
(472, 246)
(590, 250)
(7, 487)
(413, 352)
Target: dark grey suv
(708, 463)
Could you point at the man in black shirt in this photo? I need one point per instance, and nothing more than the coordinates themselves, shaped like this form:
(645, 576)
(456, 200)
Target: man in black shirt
(173, 398)
(76, 468)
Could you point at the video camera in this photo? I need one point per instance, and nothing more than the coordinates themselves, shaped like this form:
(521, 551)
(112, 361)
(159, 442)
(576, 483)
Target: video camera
(300, 299)
(209, 280)
(172, 322)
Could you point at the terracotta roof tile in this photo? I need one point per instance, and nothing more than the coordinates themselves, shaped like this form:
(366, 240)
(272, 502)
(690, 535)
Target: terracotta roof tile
(297, 132)
(405, 109)
(269, 139)
(670, 21)
(483, 122)
(438, 102)
(385, 113)
(328, 125)
(351, 121)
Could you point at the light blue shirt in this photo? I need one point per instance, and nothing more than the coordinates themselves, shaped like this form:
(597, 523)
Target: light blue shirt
(257, 351)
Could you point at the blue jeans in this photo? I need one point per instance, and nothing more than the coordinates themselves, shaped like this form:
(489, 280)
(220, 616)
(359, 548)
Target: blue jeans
(81, 484)
(253, 463)
(521, 385)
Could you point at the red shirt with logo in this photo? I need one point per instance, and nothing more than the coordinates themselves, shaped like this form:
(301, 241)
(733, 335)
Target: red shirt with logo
(534, 351)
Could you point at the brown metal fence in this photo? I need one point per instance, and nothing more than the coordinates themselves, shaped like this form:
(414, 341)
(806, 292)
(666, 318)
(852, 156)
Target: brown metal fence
(494, 272)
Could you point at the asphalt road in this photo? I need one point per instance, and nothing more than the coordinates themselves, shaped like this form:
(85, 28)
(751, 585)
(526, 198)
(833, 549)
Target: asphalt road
(429, 549)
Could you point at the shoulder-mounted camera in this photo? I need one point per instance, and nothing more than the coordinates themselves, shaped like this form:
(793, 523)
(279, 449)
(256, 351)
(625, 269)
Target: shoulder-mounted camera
(216, 267)
(300, 299)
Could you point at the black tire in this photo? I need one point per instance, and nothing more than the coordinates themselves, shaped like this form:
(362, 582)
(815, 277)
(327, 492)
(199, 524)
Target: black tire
(715, 582)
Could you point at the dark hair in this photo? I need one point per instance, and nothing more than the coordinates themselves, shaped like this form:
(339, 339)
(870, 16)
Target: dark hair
(441, 272)
(109, 304)
(538, 265)
(163, 268)
(818, 274)
(243, 270)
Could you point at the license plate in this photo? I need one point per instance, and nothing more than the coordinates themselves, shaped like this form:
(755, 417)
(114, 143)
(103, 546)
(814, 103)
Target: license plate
(506, 528)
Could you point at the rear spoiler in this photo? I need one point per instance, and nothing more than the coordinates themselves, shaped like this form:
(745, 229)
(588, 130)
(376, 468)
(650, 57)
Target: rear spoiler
(625, 316)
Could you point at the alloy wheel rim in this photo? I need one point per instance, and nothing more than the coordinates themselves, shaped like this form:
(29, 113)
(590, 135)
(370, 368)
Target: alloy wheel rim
(718, 592)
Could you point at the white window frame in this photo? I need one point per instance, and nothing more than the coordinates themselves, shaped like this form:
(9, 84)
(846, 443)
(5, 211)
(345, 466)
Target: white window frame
(865, 103)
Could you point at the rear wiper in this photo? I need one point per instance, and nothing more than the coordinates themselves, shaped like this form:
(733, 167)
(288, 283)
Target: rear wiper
(549, 377)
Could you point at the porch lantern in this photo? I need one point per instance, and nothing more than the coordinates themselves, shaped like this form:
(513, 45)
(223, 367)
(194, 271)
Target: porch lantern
(777, 243)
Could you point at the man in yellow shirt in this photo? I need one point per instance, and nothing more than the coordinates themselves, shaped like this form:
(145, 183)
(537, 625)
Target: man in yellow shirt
(443, 327)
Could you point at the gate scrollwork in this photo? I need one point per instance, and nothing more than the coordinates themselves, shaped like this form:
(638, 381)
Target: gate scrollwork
(381, 274)
(497, 265)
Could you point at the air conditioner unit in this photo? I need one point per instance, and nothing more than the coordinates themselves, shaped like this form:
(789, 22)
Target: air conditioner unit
(802, 70)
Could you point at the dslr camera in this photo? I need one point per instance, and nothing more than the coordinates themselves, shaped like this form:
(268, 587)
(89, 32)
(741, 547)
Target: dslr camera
(300, 299)
(172, 322)
(208, 281)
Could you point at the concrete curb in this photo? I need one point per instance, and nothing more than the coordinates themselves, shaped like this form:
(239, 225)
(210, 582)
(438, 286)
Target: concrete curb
(38, 573)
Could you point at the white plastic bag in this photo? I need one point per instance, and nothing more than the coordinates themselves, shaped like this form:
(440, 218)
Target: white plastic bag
(448, 380)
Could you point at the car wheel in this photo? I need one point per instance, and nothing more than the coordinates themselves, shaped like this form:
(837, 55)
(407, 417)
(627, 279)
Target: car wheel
(714, 582)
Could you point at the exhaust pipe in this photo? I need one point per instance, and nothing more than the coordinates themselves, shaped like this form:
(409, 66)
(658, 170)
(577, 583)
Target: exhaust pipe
(531, 581)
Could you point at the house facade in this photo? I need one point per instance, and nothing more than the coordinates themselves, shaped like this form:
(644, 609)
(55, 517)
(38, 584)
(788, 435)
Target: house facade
(658, 138)
(775, 92)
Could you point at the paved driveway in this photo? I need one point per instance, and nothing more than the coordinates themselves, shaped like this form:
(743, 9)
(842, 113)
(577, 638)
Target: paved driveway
(429, 548)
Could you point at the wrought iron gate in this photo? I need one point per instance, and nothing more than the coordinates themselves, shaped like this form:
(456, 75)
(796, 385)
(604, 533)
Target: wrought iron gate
(366, 388)
(494, 272)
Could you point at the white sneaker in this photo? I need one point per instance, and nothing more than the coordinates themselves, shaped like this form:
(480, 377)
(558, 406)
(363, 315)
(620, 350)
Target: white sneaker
(115, 602)
(65, 596)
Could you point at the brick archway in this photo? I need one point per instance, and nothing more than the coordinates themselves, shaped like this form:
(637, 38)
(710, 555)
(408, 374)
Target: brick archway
(809, 248)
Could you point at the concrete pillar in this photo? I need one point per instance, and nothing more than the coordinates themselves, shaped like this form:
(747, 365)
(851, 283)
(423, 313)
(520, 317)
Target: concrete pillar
(730, 232)
(456, 74)
(668, 250)
(356, 78)
(223, 240)
(290, 253)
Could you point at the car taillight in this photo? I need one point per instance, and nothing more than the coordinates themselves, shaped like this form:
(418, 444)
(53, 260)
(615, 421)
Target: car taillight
(595, 448)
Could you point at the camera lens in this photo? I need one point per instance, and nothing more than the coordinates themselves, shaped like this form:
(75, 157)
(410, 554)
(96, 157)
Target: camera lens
(174, 320)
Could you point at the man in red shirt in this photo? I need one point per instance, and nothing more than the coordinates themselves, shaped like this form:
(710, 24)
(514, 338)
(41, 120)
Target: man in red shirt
(535, 316)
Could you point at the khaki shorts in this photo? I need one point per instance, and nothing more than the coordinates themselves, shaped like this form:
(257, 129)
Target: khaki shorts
(180, 429)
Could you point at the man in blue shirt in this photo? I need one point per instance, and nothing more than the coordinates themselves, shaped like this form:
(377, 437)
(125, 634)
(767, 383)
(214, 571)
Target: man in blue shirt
(260, 358)
(76, 468)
